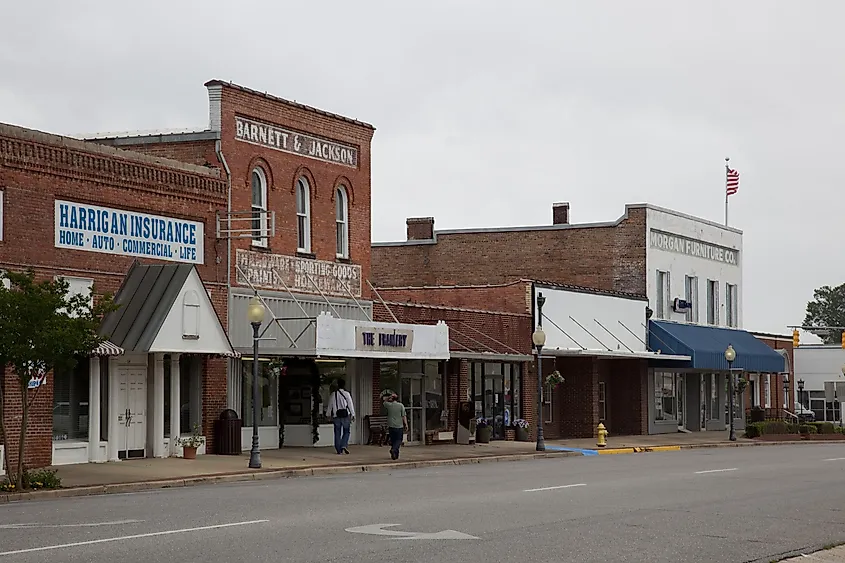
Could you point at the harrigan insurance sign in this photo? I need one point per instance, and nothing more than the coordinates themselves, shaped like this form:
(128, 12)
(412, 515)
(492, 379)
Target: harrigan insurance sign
(114, 231)
(285, 140)
(279, 272)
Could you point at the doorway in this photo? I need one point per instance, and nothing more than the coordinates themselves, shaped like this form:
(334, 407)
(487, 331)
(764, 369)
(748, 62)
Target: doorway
(411, 396)
(682, 401)
(131, 412)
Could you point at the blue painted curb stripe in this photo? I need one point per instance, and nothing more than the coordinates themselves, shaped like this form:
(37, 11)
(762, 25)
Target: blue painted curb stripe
(577, 450)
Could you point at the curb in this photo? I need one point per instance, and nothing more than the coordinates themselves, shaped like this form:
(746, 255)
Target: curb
(644, 449)
(262, 475)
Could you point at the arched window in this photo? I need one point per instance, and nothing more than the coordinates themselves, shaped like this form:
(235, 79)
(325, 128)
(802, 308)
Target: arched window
(342, 222)
(259, 207)
(303, 216)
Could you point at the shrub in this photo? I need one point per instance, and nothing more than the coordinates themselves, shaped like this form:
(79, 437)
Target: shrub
(42, 479)
(807, 429)
(838, 429)
(776, 427)
(758, 415)
(755, 429)
(824, 427)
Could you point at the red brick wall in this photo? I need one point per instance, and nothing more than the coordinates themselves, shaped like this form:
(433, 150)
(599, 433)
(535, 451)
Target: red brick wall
(777, 381)
(201, 153)
(36, 169)
(39, 431)
(514, 297)
(284, 169)
(609, 258)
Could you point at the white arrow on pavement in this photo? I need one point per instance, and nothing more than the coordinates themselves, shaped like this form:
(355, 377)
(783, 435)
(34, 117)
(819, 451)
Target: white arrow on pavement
(378, 530)
(88, 525)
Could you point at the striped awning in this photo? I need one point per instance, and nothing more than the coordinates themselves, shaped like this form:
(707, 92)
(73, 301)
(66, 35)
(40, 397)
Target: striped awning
(107, 348)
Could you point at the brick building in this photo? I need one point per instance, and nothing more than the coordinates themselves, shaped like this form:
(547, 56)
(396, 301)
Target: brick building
(296, 233)
(662, 258)
(88, 213)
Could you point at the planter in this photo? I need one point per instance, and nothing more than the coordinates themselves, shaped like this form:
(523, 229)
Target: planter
(189, 453)
(522, 435)
(482, 435)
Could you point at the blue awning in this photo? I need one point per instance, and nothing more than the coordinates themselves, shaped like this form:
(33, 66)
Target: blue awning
(706, 346)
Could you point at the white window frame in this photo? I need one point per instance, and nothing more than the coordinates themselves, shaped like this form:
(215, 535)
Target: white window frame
(303, 218)
(664, 292)
(548, 399)
(190, 315)
(767, 391)
(75, 287)
(342, 222)
(259, 239)
(713, 315)
(691, 288)
(731, 305)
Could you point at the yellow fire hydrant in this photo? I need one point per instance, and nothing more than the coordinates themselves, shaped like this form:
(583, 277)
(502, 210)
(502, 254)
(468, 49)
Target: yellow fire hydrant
(602, 435)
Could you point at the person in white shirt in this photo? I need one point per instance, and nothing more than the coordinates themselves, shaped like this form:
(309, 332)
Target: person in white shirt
(342, 412)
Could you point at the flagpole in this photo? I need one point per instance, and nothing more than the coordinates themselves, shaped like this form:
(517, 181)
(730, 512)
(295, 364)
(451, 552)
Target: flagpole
(727, 170)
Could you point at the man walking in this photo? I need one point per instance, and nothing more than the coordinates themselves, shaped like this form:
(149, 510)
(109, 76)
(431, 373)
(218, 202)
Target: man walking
(397, 421)
(342, 412)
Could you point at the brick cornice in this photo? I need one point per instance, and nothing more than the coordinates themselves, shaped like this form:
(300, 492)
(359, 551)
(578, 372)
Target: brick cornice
(92, 164)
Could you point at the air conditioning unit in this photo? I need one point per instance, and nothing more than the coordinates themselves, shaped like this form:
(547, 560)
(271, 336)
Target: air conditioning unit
(681, 305)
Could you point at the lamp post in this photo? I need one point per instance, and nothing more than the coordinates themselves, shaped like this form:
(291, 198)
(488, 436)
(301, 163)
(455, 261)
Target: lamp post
(730, 356)
(786, 391)
(255, 315)
(539, 340)
(800, 391)
(840, 400)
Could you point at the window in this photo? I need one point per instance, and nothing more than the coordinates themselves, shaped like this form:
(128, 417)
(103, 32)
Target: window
(496, 390)
(663, 293)
(766, 385)
(817, 403)
(714, 396)
(70, 402)
(831, 413)
(691, 296)
(602, 401)
(664, 396)
(342, 222)
(2, 210)
(731, 305)
(712, 302)
(303, 216)
(190, 394)
(80, 286)
(436, 405)
(267, 393)
(190, 316)
(259, 207)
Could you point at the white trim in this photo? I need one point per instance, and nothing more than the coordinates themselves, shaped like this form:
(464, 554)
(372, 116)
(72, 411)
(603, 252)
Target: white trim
(302, 186)
(342, 221)
(261, 206)
(615, 354)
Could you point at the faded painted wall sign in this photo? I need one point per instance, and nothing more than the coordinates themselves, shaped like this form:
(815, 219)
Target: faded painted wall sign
(286, 140)
(691, 247)
(331, 277)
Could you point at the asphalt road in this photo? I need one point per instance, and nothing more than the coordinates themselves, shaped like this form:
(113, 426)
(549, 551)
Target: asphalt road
(725, 505)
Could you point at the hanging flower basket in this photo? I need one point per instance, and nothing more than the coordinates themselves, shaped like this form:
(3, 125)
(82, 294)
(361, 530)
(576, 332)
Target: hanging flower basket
(741, 384)
(554, 379)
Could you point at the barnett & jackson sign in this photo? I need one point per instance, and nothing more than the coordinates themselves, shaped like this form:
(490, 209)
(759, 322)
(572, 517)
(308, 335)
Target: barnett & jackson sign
(692, 247)
(264, 270)
(80, 226)
(286, 140)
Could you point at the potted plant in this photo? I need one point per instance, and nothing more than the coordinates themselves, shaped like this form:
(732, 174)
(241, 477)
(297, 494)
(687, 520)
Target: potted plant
(521, 426)
(483, 431)
(554, 379)
(191, 443)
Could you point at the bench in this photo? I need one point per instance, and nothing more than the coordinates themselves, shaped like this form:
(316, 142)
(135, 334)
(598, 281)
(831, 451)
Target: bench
(378, 430)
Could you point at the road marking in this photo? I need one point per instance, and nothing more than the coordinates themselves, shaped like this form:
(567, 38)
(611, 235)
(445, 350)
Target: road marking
(836, 459)
(553, 488)
(715, 471)
(86, 525)
(378, 530)
(132, 537)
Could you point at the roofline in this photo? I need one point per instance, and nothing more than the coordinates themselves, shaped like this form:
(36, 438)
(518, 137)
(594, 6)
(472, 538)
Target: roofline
(785, 337)
(155, 138)
(102, 149)
(536, 283)
(474, 286)
(534, 228)
(590, 290)
(457, 309)
(230, 84)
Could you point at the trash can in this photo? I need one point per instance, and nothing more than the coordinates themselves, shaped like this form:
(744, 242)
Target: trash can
(227, 433)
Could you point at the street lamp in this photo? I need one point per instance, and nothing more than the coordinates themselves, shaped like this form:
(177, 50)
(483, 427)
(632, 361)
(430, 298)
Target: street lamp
(786, 391)
(730, 356)
(539, 340)
(800, 391)
(255, 315)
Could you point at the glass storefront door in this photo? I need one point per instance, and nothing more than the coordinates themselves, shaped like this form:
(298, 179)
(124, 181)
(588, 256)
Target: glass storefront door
(494, 403)
(411, 397)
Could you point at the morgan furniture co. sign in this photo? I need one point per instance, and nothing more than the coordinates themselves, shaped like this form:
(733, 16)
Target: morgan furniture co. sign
(285, 140)
(692, 247)
(80, 226)
(265, 270)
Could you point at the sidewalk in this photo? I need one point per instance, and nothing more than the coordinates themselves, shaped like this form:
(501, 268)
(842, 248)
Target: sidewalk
(835, 555)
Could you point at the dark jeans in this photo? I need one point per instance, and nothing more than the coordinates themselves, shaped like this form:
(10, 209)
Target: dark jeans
(396, 435)
(341, 433)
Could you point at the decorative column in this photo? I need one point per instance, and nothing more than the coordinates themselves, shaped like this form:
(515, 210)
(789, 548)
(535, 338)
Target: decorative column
(94, 409)
(175, 404)
(114, 433)
(158, 406)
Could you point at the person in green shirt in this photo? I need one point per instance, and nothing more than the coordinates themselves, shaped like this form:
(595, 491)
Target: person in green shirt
(397, 421)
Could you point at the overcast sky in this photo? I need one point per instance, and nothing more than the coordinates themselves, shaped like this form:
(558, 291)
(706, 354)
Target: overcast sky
(485, 115)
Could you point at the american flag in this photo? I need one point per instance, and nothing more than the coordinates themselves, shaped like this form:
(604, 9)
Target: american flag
(732, 182)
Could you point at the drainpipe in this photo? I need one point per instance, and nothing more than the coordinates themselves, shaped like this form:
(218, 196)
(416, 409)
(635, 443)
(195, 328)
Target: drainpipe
(218, 148)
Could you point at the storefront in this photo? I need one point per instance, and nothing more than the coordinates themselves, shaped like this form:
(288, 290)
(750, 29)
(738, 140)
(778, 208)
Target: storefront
(693, 396)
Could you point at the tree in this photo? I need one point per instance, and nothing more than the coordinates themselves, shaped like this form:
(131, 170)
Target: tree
(42, 329)
(827, 309)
